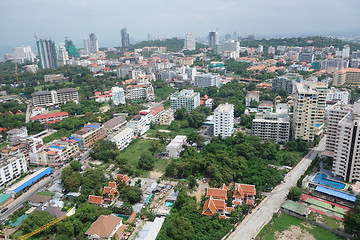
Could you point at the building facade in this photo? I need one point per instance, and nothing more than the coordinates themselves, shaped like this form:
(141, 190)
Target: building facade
(207, 80)
(90, 134)
(213, 39)
(348, 76)
(123, 138)
(11, 167)
(189, 43)
(224, 120)
(47, 53)
(53, 97)
(187, 98)
(118, 95)
(93, 43)
(343, 96)
(125, 41)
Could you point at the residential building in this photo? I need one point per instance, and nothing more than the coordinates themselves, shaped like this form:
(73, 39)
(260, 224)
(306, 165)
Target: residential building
(93, 43)
(105, 227)
(306, 57)
(90, 134)
(21, 55)
(348, 76)
(251, 96)
(123, 138)
(50, 117)
(224, 120)
(271, 50)
(265, 106)
(309, 110)
(62, 55)
(11, 167)
(118, 95)
(244, 193)
(71, 49)
(86, 46)
(135, 92)
(333, 64)
(176, 146)
(232, 46)
(187, 98)
(342, 96)
(17, 133)
(125, 40)
(115, 124)
(346, 51)
(47, 53)
(213, 39)
(346, 163)
(53, 97)
(110, 192)
(156, 112)
(286, 82)
(189, 43)
(336, 113)
(139, 124)
(207, 80)
(275, 126)
(166, 118)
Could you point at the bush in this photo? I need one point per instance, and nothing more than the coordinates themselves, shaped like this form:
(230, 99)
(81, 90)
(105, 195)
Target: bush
(294, 193)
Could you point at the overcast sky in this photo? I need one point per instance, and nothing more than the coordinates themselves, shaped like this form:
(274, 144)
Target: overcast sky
(20, 19)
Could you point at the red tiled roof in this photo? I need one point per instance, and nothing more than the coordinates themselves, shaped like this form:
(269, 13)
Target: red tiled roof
(52, 122)
(219, 204)
(238, 192)
(95, 200)
(224, 187)
(209, 208)
(112, 184)
(248, 189)
(51, 152)
(217, 193)
(50, 115)
(131, 218)
(222, 216)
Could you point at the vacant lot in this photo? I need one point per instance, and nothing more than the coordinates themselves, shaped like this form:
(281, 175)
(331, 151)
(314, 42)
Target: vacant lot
(286, 227)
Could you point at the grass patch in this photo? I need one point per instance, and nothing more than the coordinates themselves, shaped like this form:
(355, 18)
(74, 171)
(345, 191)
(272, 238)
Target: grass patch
(50, 194)
(328, 221)
(20, 233)
(160, 164)
(284, 221)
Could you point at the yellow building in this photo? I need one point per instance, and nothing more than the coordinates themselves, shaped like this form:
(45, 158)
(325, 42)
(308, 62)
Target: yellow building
(348, 76)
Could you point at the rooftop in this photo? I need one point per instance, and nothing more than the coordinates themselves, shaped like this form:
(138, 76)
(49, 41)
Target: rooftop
(50, 115)
(104, 226)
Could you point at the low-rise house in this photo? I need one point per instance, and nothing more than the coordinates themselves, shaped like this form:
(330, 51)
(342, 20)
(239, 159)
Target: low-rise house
(138, 124)
(38, 200)
(105, 227)
(123, 178)
(110, 192)
(175, 146)
(50, 117)
(123, 138)
(244, 193)
(95, 200)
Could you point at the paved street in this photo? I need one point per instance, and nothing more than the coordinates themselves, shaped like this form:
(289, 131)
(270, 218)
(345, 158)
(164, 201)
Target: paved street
(261, 215)
(12, 207)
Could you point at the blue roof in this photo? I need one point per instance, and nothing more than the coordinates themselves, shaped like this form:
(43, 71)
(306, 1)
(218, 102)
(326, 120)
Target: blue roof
(29, 182)
(77, 139)
(335, 193)
(57, 147)
(92, 126)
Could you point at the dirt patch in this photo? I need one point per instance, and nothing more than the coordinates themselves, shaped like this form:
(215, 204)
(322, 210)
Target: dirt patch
(105, 108)
(154, 174)
(200, 191)
(294, 233)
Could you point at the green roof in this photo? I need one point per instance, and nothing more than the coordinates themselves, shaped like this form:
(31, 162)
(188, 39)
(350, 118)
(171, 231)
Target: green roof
(295, 207)
(4, 197)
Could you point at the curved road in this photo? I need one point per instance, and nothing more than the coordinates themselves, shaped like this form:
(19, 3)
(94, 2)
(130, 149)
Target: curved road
(262, 214)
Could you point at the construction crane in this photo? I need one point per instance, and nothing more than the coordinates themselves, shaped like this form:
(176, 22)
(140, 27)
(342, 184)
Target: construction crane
(71, 212)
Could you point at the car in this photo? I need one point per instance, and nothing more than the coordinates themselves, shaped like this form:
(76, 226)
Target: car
(4, 210)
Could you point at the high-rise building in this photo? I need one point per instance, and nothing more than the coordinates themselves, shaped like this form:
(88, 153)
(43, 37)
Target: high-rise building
(286, 82)
(21, 55)
(86, 46)
(306, 57)
(309, 110)
(187, 98)
(213, 39)
(349, 76)
(334, 63)
(207, 80)
(346, 51)
(189, 43)
(71, 49)
(224, 120)
(346, 163)
(47, 53)
(271, 50)
(94, 45)
(118, 95)
(125, 41)
(232, 46)
(275, 126)
(62, 54)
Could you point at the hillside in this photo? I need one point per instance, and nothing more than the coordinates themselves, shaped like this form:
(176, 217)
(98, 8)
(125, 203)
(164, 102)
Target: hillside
(317, 41)
(171, 44)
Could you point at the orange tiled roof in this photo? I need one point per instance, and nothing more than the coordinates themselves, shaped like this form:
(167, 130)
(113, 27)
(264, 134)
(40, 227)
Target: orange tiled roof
(224, 187)
(209, 208)
(248, 189)
(217, 193)
(95, 200)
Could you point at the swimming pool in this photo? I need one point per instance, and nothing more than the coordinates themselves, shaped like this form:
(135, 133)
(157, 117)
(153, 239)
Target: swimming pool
(322, 179)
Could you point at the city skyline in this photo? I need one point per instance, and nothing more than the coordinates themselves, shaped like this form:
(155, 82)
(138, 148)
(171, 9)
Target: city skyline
(262, 18)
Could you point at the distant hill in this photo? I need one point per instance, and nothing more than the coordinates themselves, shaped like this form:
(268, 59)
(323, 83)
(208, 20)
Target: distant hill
(171, 44)
(317, 41)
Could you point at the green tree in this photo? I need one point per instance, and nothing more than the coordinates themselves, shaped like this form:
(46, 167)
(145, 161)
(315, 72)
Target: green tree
(131, 194)
(181, 229)
(75, 165)
(37, 220)
(294, 194)
(146, 161)
(180, 113)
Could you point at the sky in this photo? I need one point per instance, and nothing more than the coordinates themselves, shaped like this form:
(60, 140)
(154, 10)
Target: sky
(76, 19)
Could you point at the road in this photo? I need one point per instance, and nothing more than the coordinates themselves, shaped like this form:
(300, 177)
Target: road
(17, 203)
(261, 215)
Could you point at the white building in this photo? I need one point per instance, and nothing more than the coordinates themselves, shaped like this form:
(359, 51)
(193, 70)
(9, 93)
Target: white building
(94, 45)
(224, 120)
(251, 96)
(189, 43)
(336, 94)
(118, 95)
(123, 138)
(207, 80)
(232, 46)
(346, 51)
(276, 126)
(21, 55)
(346, 164)
(138, 124)
(175, 146)
(62, 54)
(54, 97)
(140, 92)
(271, 50)
(187, 98)
(86, 46)
(11, 167)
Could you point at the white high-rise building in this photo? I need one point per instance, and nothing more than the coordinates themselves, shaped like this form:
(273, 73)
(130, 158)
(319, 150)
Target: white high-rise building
(12, 167)
(232, 46)
(207, 80)
(346, 51)
(346, 162)
(189, 43)
(21, 55)
(309, 110)
(118, 95)
(62, 54)
(86, 46)
(271, 50)
(224, 120)
(94, 45)
(187, 98)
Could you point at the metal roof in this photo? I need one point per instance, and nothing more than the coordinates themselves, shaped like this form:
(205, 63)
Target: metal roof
(335, 193)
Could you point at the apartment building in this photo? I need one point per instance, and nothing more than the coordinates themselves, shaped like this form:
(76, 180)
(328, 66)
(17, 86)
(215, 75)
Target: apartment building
(50, 117)
(187, 98)
(175, 146)
(139, 124)
(90, 134)
(334, 64)
(346, 164)
(53, 97)
(123, 138)
(251, 96)
(224, 120)
(336, 113)
(275, 126)
(11, 167)
(309, 110)
(207, 80)
(341, 96)
(140, 92)
(348, 76)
